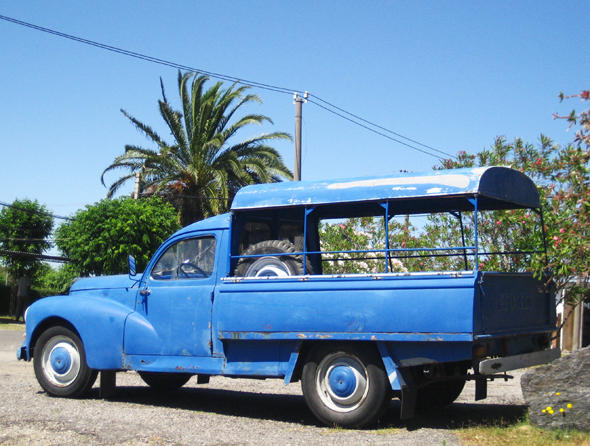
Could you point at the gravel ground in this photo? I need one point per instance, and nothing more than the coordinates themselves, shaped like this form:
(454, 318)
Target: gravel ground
(223, 412)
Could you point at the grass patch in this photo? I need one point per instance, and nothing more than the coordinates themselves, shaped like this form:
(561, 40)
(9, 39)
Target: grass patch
(519, 434)
(483, 425)
(387, 431)
(335, 428)
(8, 323)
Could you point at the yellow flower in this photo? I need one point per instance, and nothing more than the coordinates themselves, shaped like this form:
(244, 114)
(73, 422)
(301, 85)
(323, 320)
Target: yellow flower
(562, 410)
(548, 408)
(569, 405)
(551, 412)
(544, 410)
(558, 393)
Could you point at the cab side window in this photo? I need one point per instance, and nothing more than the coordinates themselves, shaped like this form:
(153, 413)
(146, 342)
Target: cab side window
(187, 259)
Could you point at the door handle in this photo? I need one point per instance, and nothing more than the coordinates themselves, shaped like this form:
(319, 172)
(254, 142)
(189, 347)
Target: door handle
(144, 299)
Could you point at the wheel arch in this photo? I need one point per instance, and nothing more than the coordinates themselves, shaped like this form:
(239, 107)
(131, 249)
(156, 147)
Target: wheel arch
(306, 348)
(345, 382)
(46, 324)
(99, 323)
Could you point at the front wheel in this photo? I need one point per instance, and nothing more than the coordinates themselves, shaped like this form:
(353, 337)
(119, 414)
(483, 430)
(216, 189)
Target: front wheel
(346, 385)
(60, 364)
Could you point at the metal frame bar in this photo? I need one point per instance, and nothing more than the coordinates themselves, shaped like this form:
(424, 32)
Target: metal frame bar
(388, 251)
(307, 212)
(475, 227)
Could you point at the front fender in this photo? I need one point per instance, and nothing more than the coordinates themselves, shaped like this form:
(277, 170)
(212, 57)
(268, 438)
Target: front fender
(99, 322)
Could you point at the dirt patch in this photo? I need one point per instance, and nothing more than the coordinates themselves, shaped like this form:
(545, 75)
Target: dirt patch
(225, 411)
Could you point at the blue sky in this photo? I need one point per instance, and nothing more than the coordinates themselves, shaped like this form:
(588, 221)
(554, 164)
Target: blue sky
(451, 75)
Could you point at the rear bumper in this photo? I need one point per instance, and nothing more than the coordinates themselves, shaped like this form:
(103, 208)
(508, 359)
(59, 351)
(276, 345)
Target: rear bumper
(504, 364)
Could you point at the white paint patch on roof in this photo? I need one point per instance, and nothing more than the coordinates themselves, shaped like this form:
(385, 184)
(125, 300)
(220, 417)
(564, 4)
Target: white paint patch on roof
(459, 181)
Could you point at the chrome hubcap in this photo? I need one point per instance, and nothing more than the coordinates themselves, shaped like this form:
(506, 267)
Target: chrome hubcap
(61, 361)
(342, 382)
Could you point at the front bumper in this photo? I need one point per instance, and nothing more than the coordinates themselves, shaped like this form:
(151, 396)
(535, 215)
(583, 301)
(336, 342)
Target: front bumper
(21, 353)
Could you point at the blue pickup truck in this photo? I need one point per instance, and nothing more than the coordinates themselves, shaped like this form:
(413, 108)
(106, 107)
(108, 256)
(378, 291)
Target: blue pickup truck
(245, 294)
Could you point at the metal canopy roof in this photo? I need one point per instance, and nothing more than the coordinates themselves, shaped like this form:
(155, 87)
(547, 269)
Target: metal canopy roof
(433, 191)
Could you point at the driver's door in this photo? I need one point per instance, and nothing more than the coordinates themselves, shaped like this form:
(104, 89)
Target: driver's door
(176, 301)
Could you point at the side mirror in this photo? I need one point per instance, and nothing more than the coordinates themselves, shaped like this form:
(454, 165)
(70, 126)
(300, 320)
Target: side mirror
(132, 267)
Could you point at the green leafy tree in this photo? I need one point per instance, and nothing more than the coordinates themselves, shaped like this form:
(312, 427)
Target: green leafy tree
(203, 168)
(355, 234)
(569, 206)
(52, 281)
(502, 233)
(507, 239)
(24, 228)
(368, 234)
(562, 174)
(100, 237)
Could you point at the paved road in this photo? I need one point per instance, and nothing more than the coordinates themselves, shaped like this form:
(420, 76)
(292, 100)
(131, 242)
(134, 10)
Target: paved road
(224, 412)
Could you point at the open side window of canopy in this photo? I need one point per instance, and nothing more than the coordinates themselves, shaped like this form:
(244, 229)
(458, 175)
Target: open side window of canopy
(455, 191)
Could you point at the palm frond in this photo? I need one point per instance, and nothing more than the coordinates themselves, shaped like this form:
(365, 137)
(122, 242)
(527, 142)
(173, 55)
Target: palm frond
(173, 119)
(113, 188)
(243, 100)
(185, 100)
(201, 172)
(147, 130)
(244, 121)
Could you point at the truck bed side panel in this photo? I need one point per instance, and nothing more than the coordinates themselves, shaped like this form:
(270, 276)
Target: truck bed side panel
(405, 304)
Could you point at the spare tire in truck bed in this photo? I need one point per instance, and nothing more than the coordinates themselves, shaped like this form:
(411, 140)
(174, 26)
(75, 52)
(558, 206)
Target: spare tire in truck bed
(271, 265)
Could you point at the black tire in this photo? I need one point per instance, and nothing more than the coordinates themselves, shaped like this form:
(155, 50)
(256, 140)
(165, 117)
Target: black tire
(346, 384)
(60, 364)
(438, 394)
(288, 265)
(165, 381)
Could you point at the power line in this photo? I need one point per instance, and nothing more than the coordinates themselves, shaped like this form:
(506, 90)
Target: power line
(19, 229)
(31, 240)
(328, 107)
(30, 255)
(147, 58)
(31, 212)
(377, 132)
(378, 126)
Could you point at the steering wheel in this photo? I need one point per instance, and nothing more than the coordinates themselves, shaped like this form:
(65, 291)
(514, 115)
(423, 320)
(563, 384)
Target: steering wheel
(182, 266)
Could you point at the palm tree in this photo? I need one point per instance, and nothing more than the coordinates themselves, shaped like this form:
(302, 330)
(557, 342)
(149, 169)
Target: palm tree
(201, 172)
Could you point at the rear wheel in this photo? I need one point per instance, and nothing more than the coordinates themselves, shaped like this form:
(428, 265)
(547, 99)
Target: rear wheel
(165, 381)
(345, 385)
(443, 385)
(60, 364)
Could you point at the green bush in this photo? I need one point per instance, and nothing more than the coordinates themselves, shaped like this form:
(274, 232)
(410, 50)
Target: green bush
(39, 293)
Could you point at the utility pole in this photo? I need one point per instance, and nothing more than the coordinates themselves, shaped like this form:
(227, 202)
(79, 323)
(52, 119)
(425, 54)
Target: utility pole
(136, 191)
(298, 106)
